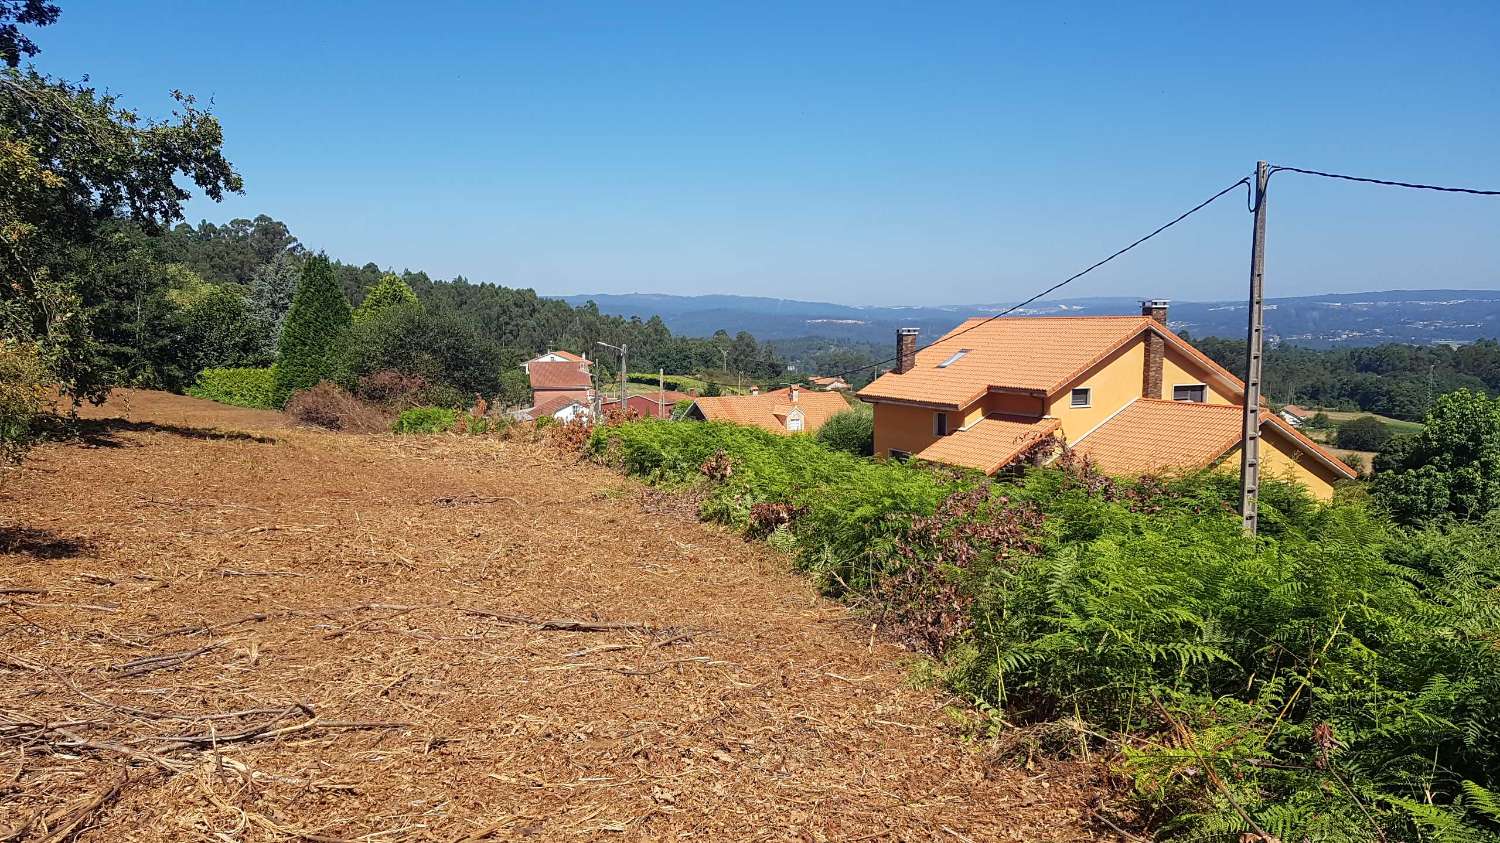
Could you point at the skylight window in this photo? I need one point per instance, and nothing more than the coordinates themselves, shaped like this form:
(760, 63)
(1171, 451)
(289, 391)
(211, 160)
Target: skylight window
(957, 356)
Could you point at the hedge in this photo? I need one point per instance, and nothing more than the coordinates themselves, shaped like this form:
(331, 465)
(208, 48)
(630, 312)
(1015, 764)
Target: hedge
(246, 387)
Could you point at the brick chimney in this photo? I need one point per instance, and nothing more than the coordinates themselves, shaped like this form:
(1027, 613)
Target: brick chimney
(906, 350)
(1156, 349)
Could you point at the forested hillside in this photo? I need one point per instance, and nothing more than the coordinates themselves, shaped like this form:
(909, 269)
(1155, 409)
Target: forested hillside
(1401, 381)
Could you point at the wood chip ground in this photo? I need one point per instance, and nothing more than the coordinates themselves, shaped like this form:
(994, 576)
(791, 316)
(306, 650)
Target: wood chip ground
(214, 626)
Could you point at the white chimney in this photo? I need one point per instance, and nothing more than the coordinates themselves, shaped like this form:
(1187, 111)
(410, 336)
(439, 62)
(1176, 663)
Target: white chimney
(754, 390)
(794, 393)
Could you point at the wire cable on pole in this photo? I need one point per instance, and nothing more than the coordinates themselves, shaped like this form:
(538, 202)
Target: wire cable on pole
(1070, 279)
(1387, 182)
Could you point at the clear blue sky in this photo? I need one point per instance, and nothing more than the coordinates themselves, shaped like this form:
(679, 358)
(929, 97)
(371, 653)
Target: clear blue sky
(884, 153)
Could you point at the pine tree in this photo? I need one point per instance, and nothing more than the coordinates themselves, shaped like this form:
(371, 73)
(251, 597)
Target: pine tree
(389, 292)
(315, 330)
(272, 287)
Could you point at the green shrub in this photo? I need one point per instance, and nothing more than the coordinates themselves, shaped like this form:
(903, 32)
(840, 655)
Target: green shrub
(23, 396)
(1365, 433)
(426, 420)
(238, 387)
(852, 431)
(315, 330)
(1336, 678)
(1451, 468)
(387, 293)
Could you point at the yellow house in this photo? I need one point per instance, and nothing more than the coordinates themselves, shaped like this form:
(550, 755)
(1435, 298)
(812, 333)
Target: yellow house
(1125, 391)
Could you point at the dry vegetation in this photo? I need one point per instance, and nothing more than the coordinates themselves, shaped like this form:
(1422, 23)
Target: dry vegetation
(214, 627)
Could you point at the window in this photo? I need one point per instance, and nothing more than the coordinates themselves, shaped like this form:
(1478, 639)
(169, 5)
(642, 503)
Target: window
(794, 423)
(1190, 392)
(954, 359)
(939, 424)
(1081, 397)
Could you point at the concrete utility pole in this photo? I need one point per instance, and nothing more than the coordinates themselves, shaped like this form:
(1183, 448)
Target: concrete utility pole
(1250, 440)
(661, 395)
(624, 356)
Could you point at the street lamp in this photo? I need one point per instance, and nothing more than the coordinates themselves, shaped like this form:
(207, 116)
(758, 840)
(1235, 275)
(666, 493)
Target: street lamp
(622, 348)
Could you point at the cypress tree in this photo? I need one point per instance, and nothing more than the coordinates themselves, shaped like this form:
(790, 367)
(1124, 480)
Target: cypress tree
(315, 330)
(390, 292)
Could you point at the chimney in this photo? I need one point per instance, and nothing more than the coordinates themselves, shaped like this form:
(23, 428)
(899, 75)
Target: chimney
(754, 390)
(794, 393)
(906, 350)
(1156, 349)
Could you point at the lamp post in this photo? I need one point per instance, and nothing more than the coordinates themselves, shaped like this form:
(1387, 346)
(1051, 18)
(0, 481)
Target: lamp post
(622, 348)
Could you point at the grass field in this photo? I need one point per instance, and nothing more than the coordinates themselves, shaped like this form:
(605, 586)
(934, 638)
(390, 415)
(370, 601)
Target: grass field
(1396, 425)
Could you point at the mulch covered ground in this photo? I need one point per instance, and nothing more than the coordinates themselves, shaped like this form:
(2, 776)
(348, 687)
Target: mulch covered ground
(215, 627)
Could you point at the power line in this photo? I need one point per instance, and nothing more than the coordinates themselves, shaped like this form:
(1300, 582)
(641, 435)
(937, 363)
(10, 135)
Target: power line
(1070, 279)
(1389, 183)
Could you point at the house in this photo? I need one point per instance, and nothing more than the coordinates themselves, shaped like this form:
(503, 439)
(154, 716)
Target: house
(1294, 415)
(830, 384)
(789, 410)
(553, 378)
(1125, 391)
(564, 408)
(647, 405)
(556, 357)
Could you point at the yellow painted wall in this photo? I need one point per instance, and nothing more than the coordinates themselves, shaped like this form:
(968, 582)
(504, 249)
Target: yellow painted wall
(1013, 404)
(1115, 382)
(1285, 458)
(1178, 369)
(903, 428)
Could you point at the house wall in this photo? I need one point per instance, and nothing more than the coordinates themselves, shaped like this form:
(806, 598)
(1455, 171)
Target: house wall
(1114, 381)
(904, 428)
(1178, 369)
(1285, 458)
(540, 395)
(1013, 404)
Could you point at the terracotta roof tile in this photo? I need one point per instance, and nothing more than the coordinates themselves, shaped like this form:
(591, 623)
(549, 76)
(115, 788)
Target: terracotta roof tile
(1032, 353)
(1029, 353)
(558, 375)
(1152, 435)
(760, 410)
(565, 355)
(990, 444)
(551, 405)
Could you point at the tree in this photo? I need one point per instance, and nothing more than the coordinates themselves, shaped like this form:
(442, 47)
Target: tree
(852, 430)
(389, 292)
(316, 329)
(1365, 433)
(272, 287)
(76, 162)
(13, 44)
(438, 345)
(1451, 468)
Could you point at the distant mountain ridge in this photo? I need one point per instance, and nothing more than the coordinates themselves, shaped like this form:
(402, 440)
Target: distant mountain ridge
(1336, 319)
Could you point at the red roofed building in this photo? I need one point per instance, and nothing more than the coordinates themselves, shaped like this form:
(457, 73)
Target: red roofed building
(647, 405)
(553, 378)
(790, 410)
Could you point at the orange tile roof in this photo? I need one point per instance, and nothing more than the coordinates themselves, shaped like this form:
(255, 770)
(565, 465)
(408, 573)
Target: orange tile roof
(761, 410)
(990, 444)
(1152, 435)
(558, 375)
(1031, 353)
(1039, 354)
(551, 405)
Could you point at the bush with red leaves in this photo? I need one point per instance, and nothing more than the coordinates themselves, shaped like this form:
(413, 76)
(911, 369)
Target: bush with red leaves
(393, 389)
(926, 598)
(717, 467)
(766, 518)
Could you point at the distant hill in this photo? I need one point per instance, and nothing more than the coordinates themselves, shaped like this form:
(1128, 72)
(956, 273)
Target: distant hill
(1335, 320)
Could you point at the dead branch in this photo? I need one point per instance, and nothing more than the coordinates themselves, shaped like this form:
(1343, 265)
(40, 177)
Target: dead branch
(143, 666)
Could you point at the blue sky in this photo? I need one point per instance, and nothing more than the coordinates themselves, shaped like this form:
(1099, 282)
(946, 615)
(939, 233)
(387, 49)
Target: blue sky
(882, 153)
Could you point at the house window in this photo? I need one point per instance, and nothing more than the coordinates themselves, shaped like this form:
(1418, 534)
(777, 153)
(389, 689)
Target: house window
(1190, 392)
(1082, 397)
(954, 359)
(794, 423)
(939, 424)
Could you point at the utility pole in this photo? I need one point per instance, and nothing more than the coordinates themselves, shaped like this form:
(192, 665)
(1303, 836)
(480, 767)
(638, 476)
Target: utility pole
(661, 395)
(1250, 440)
(624, 355)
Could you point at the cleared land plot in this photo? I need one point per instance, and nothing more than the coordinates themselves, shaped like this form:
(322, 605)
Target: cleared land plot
(216, 628)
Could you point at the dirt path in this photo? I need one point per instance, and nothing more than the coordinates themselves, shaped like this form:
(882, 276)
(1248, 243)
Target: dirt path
(325, 584)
